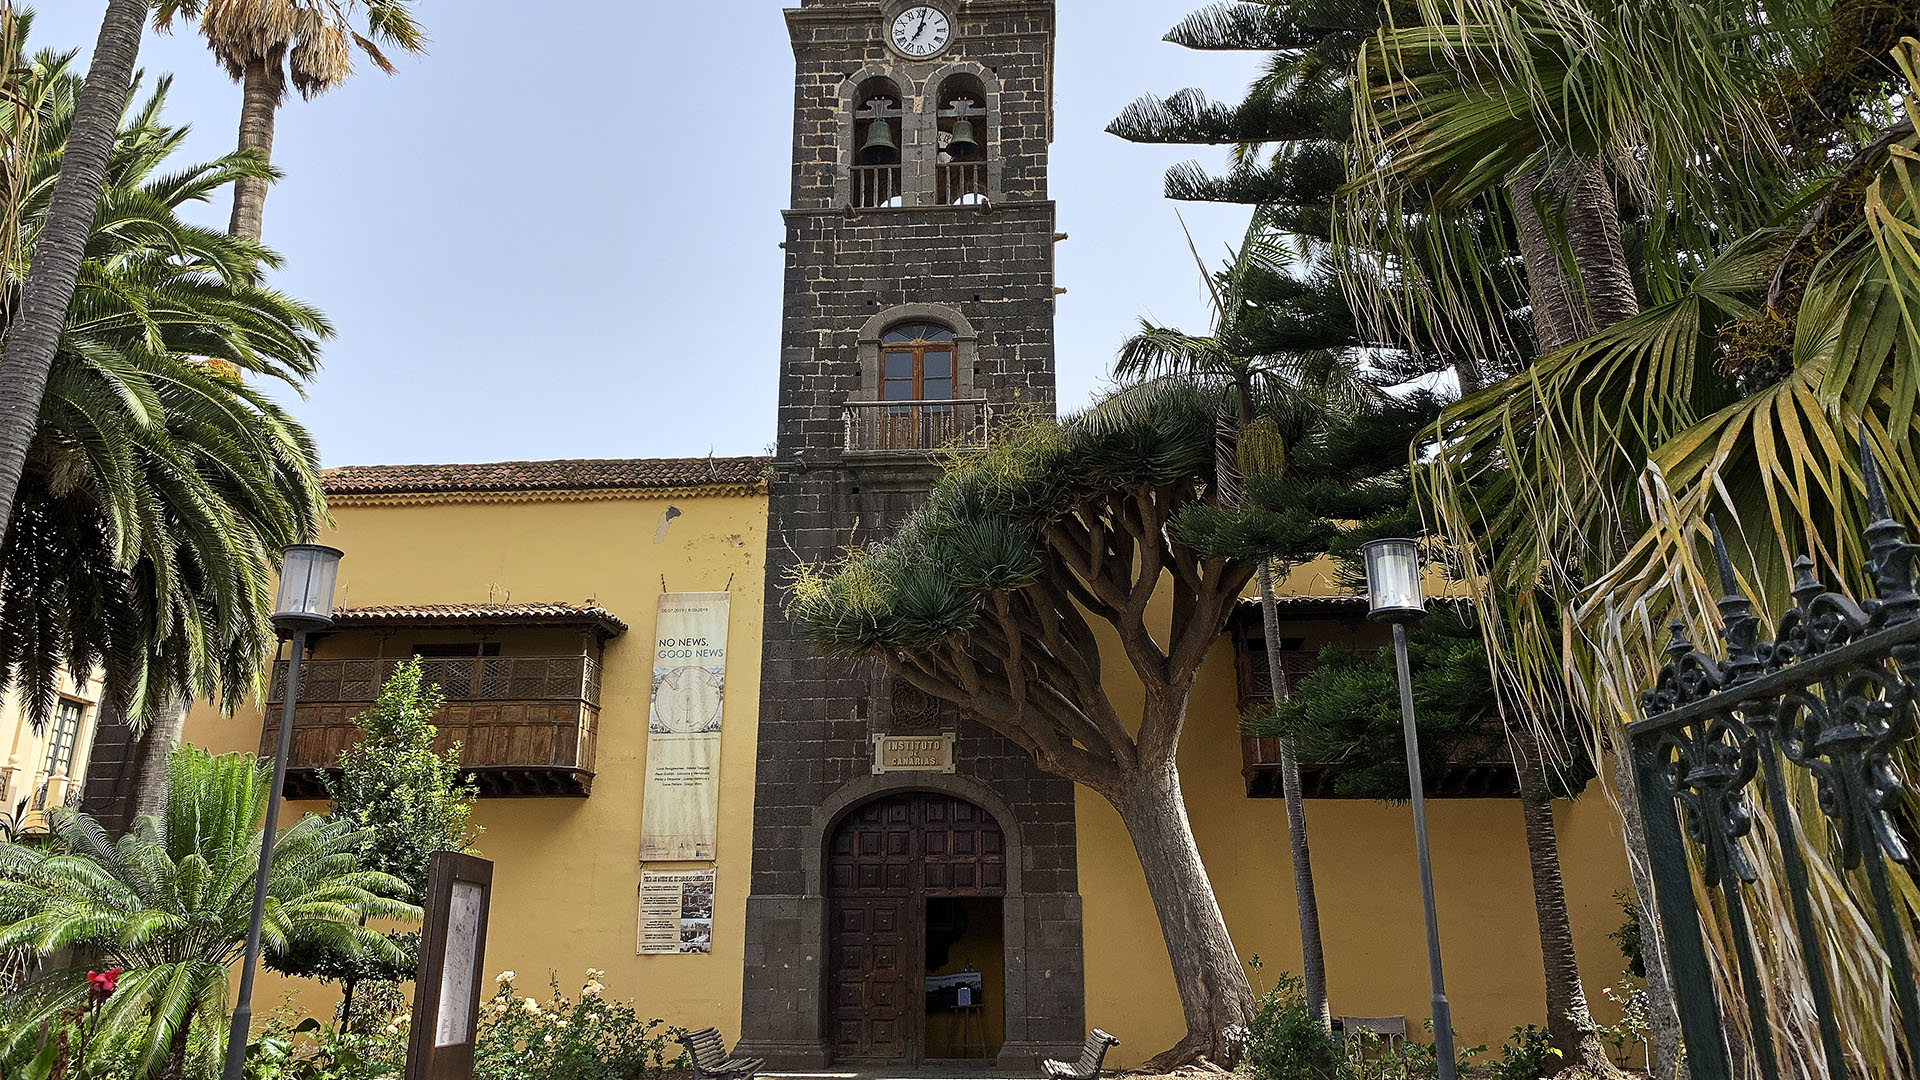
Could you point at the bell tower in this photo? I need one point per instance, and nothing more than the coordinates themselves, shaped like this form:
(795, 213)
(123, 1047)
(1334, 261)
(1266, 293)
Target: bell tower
(919, 308)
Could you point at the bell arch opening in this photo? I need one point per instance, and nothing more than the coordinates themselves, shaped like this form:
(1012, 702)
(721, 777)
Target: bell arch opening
(878, 114)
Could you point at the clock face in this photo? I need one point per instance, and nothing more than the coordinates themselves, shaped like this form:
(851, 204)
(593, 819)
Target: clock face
(920, 31)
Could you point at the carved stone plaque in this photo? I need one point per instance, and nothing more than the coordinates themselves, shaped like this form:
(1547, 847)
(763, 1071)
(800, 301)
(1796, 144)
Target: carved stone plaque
(913, 709)
(913, 753)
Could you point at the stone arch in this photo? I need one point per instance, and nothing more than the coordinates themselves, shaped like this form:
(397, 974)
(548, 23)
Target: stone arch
(929, 108)
(966, 339)
(828, 815)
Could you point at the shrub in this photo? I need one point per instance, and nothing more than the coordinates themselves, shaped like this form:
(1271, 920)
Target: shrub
(1527, 1055)
(311, 1051)
(561, 1039)
(1285, 1042)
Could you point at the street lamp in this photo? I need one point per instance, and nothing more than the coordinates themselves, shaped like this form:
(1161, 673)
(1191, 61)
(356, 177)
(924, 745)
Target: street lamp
(1393, 596)
(303, 605)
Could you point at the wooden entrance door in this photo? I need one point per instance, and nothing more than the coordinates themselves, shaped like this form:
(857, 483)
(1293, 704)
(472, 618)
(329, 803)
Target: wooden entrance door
(883, 862)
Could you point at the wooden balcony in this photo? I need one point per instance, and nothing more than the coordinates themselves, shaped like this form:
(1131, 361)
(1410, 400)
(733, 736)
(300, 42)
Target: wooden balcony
(1482, 767)
(916, 427)
(526, 725)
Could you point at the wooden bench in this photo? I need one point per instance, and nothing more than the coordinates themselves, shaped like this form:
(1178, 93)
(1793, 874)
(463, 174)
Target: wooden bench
(708, 1053)
(1088, 1065)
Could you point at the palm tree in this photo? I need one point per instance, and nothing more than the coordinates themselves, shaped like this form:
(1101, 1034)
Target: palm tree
(34, 328)
(170, 903)
(266, 44)
(159, 483)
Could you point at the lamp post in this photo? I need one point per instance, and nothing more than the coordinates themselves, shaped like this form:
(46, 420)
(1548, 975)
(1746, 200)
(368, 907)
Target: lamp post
(1393, 596)
(304, 604)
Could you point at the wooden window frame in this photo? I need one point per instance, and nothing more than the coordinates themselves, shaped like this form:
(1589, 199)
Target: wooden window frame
(54, 766)
(918, 348)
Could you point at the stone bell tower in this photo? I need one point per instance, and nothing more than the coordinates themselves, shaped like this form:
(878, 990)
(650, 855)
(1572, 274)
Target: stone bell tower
(894, 840)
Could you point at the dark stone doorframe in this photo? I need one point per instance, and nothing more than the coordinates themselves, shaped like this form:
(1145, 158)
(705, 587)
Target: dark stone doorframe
(1018, 991)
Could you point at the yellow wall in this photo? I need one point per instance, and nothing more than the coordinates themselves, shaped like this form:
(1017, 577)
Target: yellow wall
(1366, 881)
(567, 870)
(981, 949)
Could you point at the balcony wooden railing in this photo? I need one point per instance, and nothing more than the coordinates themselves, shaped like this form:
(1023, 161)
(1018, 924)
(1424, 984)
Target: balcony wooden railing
(526, 725)
(1482, 768)
(962, 182)
(893, 427)
(875, 186)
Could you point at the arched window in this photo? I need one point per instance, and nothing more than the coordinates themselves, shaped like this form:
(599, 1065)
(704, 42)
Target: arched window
(917, 363)
(965, 140)
(879, 110)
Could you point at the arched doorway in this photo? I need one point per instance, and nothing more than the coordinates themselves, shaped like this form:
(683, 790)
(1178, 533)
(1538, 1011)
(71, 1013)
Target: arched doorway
(916, 949)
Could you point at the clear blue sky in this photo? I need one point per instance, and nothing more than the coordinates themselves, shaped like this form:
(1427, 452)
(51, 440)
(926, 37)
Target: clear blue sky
(555, 234)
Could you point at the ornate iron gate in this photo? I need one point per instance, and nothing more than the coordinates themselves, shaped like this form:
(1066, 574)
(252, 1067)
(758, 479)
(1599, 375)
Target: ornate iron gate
(1833, 694)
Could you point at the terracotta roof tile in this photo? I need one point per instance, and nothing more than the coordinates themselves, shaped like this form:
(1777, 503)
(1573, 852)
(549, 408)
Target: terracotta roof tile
(482, 614)
(572, 475)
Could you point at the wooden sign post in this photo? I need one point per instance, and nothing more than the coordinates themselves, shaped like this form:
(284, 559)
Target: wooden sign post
(446, 989)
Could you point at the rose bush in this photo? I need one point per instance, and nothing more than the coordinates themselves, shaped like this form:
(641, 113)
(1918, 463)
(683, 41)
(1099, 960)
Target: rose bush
(560, 1038)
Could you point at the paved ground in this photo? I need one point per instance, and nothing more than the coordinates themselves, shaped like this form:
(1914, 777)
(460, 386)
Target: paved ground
(928, 1071)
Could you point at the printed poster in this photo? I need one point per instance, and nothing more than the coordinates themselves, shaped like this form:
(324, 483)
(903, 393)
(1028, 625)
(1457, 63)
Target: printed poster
(676, 911)
(679, 819)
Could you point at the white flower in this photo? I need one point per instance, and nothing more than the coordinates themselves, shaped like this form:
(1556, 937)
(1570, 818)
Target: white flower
(549, 1037)
(592, 989)
(504, 977)
(391, 1030)
(531, 1006)
(500, 1008)
(559, 1023)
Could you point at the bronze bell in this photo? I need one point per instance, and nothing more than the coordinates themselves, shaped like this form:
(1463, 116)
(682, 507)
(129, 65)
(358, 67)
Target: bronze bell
(962, 145)
(880, 149)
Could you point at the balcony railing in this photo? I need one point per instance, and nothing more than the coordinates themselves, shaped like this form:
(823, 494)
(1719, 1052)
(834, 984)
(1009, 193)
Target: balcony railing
(876, 186)
(27, 797)
(894, 427)
(963, 182)
(461, 678)
(526, 725)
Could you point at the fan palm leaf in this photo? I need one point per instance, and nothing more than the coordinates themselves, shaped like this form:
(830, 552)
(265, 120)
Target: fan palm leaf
(1587, 480)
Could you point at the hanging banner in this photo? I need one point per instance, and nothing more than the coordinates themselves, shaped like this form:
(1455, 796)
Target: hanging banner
(679, 819)
(676, 911)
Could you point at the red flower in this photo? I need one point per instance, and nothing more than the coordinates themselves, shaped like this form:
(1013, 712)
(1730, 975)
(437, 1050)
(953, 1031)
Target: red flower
(100, 985)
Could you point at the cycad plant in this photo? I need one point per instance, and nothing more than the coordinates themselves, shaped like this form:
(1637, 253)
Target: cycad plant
(161, 479)
(169, 903)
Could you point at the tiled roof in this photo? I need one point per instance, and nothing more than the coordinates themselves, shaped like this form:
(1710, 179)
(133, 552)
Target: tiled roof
(483, 615)
(1309, 606)
(575, 475)
(1301, 606)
